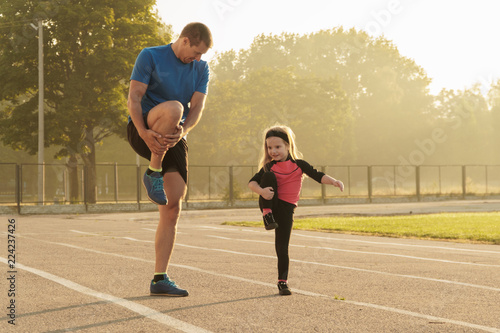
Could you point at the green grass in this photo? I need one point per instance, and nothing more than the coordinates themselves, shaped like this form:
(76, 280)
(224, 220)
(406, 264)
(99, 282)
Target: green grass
(460, 227)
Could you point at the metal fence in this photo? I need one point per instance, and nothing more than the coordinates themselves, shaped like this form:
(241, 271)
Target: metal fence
(117, 183)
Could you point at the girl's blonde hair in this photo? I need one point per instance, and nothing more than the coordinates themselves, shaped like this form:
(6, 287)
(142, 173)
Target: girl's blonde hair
(282, 132)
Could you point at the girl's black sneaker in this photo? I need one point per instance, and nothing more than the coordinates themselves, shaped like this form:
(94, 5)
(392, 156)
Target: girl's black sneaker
(283, 288)
(269, 221)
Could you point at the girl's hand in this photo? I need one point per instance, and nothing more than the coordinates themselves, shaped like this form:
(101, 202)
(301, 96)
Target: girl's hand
(267, 193)
(339, 184)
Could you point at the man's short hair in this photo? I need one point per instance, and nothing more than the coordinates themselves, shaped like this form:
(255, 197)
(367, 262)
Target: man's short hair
(197, 32)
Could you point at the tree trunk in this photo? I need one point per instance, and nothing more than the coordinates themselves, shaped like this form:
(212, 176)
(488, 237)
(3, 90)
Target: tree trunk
(90, 166)
(72, 166)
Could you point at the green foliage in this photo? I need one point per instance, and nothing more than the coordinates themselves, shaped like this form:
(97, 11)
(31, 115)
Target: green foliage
(240, 110)
(350, 98)
(351, 92)
(376, 101)
(469, 124)
(89, 51)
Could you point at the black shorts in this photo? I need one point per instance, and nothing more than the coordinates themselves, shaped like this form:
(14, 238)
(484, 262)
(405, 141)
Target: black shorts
(176, 158)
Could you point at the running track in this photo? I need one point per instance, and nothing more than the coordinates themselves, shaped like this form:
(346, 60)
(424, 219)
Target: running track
(90, 273)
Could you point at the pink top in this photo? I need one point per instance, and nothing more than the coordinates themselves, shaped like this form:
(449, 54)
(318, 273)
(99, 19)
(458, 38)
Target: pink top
(289, 178)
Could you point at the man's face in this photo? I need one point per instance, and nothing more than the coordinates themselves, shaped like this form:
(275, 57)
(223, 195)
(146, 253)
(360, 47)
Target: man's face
(190, 53)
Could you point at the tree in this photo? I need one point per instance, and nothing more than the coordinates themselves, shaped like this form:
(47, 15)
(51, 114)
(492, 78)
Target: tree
(89, 50)
(494, 102)
(237, 112)
(470, 123)
(388, 93)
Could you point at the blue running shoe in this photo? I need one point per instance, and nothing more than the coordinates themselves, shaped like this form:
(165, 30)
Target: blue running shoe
(166, 287)
(154, 188)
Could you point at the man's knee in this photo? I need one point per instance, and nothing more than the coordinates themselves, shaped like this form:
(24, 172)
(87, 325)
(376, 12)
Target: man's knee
(166, 112)
(170, 213)
(174, 207)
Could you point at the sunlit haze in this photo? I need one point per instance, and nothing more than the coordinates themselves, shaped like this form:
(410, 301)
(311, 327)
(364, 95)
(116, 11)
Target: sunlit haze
(456, 42)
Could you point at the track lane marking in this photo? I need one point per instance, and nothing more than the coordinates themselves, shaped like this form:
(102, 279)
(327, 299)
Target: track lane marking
(347, 268)
(361, 252)
(231, 228)
(115, 237)
(129, 305)
(303, 292)
(464, 284)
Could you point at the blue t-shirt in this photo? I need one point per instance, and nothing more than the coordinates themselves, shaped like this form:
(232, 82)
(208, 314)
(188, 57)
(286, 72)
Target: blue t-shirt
(168, 78)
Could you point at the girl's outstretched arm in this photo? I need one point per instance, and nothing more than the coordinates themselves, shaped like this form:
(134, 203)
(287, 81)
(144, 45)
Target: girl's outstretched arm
(332, 181)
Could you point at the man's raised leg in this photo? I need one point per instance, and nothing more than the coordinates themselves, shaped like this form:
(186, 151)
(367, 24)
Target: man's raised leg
(163, 119)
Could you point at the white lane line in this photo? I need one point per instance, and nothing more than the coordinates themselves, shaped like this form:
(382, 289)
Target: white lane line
(361, 252)
(135, 239)
(232, 228)
(400, 244)
(154, 230)
(115, 237)
(345, 267)
(303, 292)
(464, 284)
(84, 233)
(132, 306)
(368, 305)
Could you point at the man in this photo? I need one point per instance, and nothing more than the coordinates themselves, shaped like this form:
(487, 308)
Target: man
(167, 95)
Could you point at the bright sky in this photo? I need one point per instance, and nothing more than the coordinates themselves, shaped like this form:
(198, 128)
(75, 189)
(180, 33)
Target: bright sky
(457, 42)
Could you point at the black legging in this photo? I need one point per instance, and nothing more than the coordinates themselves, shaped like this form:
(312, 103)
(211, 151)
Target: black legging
(283, 215)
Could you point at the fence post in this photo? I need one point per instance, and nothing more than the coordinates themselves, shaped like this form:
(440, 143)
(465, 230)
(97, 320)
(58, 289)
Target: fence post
(84, 187)
(209, 182)
(66, 185)
(231, 186)
(138, 187)
(349, 180)
(440, 188)
(486, 178)
(395, 180)
(116, 182)
(21, 189)
(18, 188)
(417, 181)
(323, 187)
(464, 181)
(369, 183)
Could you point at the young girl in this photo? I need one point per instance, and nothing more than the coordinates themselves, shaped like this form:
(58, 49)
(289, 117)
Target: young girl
(278, 184)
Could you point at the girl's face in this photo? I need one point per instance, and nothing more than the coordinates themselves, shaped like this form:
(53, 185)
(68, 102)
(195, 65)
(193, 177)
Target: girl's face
(277, 148)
